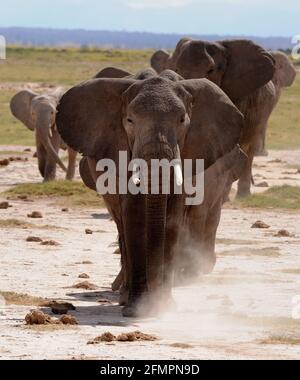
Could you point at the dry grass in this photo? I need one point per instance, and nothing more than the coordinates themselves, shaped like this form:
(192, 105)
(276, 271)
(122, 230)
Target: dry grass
(277, 197)
(69, 194)
(281, 339)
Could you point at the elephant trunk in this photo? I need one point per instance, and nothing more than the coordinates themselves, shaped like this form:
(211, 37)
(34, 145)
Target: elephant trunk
(43, 133)
(156, 215)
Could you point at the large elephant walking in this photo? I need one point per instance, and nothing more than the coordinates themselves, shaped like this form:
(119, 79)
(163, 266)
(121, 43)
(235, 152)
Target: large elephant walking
(152, 116)
(243, 70)
(38, 113)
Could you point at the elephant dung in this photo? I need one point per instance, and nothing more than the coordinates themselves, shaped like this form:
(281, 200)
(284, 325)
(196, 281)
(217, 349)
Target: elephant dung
(4, 162)
(50, 243)
(283, 233)
(34, 239)
(60, 308)
(85, 285)
(260, 224)
(4, 205)
(35, 215)
(37, 317)
(83, 275)
(68, 320)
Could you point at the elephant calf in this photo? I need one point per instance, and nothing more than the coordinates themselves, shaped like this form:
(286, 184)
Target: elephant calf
(285, 74)
(38, 113)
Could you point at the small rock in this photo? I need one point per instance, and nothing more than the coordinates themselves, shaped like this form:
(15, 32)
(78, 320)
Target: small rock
(51, 243)
(262, 184)
(23, 197)
(68, 320)
(260, 224)
(35, 215)
(4, 205)
(27, 150)
(34, 239)
(85, 285)
(86, 262)
(4, 162)
(83, 275)
(88, 231)
(65, 209)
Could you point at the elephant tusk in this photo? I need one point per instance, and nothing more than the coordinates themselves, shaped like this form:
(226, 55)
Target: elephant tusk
(136, 175)
(178, 173)
(178, 169)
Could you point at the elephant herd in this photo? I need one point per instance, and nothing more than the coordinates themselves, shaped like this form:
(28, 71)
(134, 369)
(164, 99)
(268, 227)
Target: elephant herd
(209, 101)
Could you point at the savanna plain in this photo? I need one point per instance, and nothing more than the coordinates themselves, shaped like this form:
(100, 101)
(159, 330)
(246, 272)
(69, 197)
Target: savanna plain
(245, 309)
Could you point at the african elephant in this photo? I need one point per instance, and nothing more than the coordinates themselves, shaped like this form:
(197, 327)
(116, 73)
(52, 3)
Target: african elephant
(243, 70)
(38, 113)
(285, 74)
(156, 117)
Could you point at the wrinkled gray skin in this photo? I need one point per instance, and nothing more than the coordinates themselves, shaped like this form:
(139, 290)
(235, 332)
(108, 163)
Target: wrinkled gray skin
(151, 116)
(284, 76)
(244, 72)
(38, 113)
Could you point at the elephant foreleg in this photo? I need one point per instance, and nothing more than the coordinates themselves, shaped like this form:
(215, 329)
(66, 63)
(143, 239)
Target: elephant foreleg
(244, 184)
(50, 169)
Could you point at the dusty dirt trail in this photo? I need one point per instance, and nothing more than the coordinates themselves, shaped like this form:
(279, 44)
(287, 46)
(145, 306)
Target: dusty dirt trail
(243, 310)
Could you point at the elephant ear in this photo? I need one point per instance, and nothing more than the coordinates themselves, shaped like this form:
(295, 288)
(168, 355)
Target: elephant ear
(85, 174)
(249, 67)
(89, 117)
(178, 48)
(20, 106)
(112, 72)
(159, 60)
(216, 123)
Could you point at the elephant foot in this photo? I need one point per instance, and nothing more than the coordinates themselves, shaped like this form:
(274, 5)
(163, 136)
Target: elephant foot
(243, 194)
(124, 296)
(116, 285)
(149, 306)
(262, 153)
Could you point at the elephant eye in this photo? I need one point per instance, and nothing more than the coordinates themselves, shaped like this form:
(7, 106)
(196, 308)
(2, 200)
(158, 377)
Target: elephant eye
(210, 71)
(130, 120)
(182, 120)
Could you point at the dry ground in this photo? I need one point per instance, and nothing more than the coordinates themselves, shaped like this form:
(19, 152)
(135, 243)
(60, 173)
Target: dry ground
(242, 310)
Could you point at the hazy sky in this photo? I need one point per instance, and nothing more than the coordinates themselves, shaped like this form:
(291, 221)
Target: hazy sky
(251, 17)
